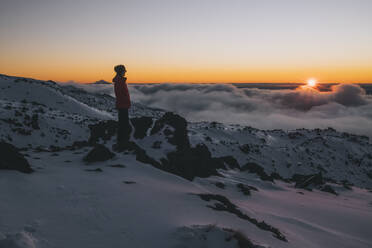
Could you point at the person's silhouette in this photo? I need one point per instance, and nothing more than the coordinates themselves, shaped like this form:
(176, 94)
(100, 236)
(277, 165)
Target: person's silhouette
(122, 105)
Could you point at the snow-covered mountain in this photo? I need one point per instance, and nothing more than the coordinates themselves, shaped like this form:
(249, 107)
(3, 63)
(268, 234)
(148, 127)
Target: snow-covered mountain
(181, 184)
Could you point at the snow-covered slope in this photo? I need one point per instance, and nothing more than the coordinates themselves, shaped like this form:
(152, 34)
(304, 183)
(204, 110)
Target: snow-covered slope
(338, 156)
(249, 188)
(44, 113)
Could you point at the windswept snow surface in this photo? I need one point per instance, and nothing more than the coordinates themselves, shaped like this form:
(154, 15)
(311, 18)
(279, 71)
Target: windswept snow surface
(67, 203)
(63, 205)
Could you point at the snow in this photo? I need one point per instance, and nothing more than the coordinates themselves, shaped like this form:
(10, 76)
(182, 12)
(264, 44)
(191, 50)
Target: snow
(340, 156)
(63, 205)
(17, 240)
(204, 236)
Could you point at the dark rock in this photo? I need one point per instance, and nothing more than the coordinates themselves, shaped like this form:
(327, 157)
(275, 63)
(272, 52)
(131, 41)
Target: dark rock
(53, 148)
(220, 185)
(141, 155)
(230, 161)
(369, 174)
(156, 144)
(295, 135)
(98, 153)
(129, 182)
(79, 144)
(246, 189)
(193, 162)
(35, 121)
(178, 136)
(187, 162)
(224, 204)
(22, 131)
(245, 148)
(257, 169)
(141, 125)
(118, 166)
(17, 113)
(329, 189)
(12, 122)
(103, 130)
(95, 170)
(242, 240)
(347, 185)
(276, 176)
(308, 181)
(11, 159)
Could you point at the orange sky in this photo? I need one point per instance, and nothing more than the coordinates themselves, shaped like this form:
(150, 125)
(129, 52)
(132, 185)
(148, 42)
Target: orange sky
(157, 74)
(188, 41)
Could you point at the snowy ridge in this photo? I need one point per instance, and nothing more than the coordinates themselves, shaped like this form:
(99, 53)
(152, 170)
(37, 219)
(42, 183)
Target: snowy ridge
(252, 188)
(61, 113)
(338, 156)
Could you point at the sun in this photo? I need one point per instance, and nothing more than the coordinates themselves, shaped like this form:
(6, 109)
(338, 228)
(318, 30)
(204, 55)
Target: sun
(311, 82)
(311, 85)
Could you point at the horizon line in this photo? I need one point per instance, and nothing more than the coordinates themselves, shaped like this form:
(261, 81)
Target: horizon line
(165, 82)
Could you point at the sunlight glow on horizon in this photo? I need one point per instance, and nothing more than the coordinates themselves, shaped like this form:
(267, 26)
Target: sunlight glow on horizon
(193, 41)
(193, 75)
(312, 82)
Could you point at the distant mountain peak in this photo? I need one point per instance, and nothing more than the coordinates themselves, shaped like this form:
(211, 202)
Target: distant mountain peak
(101, 82)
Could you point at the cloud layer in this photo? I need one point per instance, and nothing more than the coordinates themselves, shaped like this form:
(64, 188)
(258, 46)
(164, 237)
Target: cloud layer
(346, 107)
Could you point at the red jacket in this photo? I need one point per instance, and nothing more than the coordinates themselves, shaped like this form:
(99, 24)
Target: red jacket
(121, 92)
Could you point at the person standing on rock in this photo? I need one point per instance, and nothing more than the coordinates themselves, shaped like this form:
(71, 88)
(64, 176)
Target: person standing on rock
(122, 104)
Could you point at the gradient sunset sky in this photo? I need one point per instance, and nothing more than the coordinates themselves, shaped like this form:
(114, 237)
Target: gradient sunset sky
(188, 40)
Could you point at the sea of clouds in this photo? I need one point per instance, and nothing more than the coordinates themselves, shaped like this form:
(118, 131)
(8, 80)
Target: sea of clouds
(346, 107)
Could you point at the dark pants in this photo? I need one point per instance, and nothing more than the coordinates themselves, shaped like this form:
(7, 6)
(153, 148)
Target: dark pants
(124, 128)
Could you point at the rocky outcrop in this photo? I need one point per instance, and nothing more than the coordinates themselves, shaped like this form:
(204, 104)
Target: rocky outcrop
(313, 181)
(141, 125)
(206, 235)
(230, 161)
(11, 159)
(308, 181)
(246, 189)
(328, 188)
(224, 204)
(257, 169)
(187, 162)
(193, 162)
(103, 130)
(178, 136)
(142, 156)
